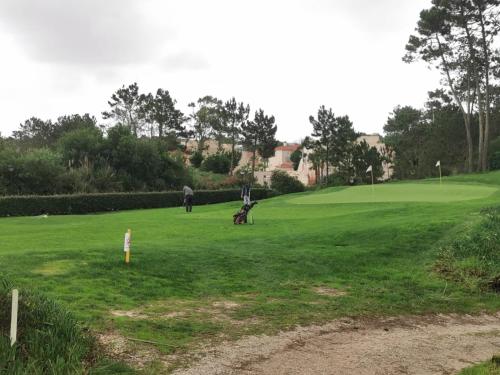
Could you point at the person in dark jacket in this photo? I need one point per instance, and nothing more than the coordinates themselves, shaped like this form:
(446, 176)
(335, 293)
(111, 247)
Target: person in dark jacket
(188, 198)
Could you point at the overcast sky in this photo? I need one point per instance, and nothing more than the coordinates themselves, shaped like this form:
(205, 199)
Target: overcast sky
(287, 57)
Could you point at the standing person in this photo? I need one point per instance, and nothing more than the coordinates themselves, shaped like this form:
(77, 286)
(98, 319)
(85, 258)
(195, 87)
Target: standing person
(188, 198)
(245, 194)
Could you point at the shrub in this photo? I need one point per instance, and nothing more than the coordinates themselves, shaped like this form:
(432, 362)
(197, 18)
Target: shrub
(196, 159)
(88, 203)
(473, 258)
(296, 157)
(31, 173)
(217, 163)
(495, 161)
(50, 341)
(285, 184)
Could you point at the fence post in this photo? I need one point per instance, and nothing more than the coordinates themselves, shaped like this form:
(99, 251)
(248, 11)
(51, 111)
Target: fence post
(13, 317)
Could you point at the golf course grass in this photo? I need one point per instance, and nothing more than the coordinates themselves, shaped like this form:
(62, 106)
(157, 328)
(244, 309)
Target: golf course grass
(308, 258)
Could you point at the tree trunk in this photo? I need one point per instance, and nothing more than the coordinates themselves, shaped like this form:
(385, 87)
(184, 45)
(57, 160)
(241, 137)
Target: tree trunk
(233, 141)
(481, 129)
(327, 165)
(470, 149)
(484, 161)
(253, 159)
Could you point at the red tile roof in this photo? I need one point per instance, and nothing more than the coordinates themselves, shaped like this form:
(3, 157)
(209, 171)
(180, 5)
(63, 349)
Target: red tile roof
(291, 147)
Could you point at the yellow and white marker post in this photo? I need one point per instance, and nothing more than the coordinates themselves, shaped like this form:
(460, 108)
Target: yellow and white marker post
(126, 246)
(13, 317)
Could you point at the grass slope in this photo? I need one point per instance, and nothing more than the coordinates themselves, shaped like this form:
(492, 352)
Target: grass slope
(197, 277)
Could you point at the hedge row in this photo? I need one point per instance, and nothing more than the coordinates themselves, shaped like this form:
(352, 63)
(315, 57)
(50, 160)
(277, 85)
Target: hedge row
(88, 203)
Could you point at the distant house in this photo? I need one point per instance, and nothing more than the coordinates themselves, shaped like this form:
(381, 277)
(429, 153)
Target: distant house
(280, 161)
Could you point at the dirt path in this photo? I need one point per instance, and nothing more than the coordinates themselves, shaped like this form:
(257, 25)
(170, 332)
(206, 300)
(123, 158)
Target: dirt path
(438, 344)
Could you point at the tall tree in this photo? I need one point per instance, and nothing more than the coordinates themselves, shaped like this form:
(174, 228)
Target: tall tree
(160, 112)
(206, 119)
(127, 108)
(487, 17)
(259, 135)
(236, 115)
(35, 132)
(323, 132)
(458, 37)
(434, 44)
(364, 156)
(334, 134)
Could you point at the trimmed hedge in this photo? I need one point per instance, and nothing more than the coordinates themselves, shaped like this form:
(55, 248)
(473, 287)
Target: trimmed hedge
(88, 203)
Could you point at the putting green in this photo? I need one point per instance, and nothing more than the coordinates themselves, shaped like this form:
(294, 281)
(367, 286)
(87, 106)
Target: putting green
(398, 193)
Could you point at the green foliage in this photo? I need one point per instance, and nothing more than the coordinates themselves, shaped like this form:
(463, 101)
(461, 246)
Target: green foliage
(81, 147)
(491, 367)
(141, 164)
(196, 159)
(285, 184)
(35, 172)
(236, 114)
(212, 181)
(38, 133)
(417, 139)
(495, 161)
(332, 138)
(126, 108)
(364, 156)
(259, 135)
(220, 162)
(473, 258)
(87, 203)
(494, 154)
(217, 163)
(50, 341)
(296, 157)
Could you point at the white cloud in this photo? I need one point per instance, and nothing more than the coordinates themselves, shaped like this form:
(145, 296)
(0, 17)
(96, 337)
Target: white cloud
(285, 56)
(185, 60)
(85, 32)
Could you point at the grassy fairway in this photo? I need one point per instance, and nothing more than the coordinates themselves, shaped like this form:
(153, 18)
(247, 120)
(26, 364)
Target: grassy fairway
(195, 277)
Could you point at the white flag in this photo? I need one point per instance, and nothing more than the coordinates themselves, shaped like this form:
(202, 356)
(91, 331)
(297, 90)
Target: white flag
(438, 164)
(369, 169)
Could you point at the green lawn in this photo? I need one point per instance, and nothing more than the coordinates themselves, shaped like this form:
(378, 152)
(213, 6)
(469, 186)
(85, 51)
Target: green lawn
(196, 277)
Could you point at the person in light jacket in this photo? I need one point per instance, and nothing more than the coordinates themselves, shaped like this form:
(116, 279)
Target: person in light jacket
(245, 194)
(188, 198)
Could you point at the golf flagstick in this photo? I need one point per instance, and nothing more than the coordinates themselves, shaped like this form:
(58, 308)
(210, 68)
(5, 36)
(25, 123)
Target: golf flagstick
(370, 169)
(438, 164)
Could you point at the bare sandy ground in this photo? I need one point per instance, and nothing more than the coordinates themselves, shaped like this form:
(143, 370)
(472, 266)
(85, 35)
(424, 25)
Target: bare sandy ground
(437, 344)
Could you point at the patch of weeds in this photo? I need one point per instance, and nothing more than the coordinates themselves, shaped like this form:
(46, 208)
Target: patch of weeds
(473, 258)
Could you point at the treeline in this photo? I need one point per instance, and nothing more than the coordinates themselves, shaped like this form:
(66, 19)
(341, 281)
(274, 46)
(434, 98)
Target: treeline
(142, 149)
(334, 153)
(459, 38)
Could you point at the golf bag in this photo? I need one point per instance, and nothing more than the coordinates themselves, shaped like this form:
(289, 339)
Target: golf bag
(240, 217)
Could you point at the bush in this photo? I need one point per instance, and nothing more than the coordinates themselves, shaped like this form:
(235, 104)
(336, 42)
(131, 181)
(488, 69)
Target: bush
(196, 159)
(495, 161)
(88, 203)
(285, 184)
(217, 163)
(31, 173)
(473, 258)
(50, 341)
